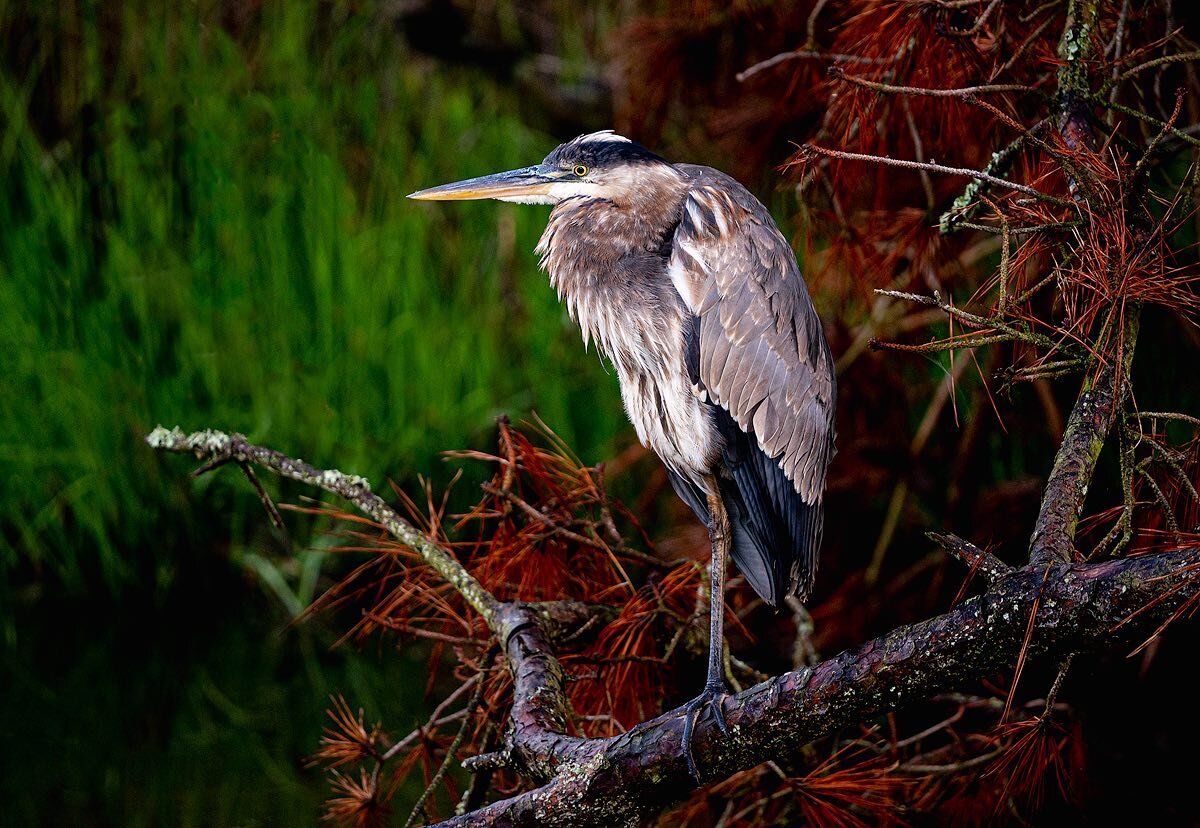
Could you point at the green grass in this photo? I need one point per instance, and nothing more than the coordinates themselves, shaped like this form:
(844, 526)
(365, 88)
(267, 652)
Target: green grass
(226, 242)
(203, 229)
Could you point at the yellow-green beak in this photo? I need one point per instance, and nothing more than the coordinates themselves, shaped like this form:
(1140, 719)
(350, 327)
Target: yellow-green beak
(529, 181)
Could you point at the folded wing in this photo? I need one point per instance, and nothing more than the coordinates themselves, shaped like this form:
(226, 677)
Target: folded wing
(756, 349)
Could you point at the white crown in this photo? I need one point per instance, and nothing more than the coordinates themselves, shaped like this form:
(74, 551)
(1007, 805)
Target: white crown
(604, 135)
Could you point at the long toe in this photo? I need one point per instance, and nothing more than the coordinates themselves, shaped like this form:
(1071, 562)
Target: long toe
(712, 698)
(717, 702)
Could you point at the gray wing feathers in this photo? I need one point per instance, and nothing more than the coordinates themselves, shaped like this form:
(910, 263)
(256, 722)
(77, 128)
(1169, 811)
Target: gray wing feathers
(763, 356)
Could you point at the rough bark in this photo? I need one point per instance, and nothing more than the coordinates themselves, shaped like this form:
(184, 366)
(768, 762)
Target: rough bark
(1106, 383)
(1078, 607)
(1096, 409)
(624, 779)
(1075, 48)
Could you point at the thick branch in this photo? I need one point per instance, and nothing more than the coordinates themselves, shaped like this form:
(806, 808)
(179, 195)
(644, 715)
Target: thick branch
(1075, 120)
(635, 775)
(536, 742)
(1104, 390)
(1106, 382)
(632, 776)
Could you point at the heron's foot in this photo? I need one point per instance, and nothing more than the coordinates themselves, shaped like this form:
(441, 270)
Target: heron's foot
(713, 698)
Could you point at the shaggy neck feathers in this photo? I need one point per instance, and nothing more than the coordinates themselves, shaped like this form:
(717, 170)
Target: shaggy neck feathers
(594, 248)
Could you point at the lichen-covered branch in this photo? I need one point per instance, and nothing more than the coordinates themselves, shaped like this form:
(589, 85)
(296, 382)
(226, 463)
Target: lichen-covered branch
(627, 778)
(539, 705)
(1009, 331)
(1075, 121)
(1099, 402)
(218, 447)
(968, 202)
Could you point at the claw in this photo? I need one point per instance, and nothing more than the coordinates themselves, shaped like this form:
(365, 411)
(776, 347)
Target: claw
(712, 697)
(719, 711)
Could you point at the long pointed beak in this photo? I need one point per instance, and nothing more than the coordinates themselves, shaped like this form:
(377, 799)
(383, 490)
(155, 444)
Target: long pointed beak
(529, 181)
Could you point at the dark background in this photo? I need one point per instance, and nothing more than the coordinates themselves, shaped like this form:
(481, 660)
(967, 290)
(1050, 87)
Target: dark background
(203, 223)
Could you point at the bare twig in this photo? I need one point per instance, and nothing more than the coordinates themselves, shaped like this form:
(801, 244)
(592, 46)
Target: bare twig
(1176, 57)
(803, 54)
(932, 729)
(1056, 686)
(1169, 415)
(967, 202)
(419, 807)
(1149, 119)
(919, 151)
(1164, 504)
(952, 767)
(979, 21)
(962, 342)
(975, 320)
(920, 91)
(268, 504)
(1172, 462)
(811, 25)
(985, 563)
(931, 167)
(1018, 231)
(437, 718)
(1122, 530)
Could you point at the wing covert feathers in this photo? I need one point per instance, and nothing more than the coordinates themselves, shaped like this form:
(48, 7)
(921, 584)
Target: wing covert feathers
(762, 353)
(756, 347)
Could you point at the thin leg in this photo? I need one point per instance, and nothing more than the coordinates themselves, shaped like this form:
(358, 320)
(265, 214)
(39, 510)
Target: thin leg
(719, 535)
(714, 685)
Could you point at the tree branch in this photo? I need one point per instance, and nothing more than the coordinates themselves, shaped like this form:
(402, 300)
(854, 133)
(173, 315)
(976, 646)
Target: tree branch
(217, 448)
(985, 563)
(814, 149)
(626, 778)
(1075, 47)
(1100, 399)
(924, 91)
(539, 713)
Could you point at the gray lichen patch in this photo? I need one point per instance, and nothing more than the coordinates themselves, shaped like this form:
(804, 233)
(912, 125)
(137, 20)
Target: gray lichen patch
(203, 443)
(165, 438)
(213, 443)
(333, 479)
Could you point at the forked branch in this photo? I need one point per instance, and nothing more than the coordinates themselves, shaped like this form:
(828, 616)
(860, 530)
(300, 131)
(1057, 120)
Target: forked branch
(626, 778)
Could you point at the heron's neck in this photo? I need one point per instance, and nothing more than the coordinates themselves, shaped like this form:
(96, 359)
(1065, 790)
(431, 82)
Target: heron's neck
(608, 264)
(600, 250)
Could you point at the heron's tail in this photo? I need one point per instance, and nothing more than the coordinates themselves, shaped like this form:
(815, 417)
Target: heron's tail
(776, 534)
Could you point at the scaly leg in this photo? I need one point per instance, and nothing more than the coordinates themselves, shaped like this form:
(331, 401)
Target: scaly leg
(714, 686)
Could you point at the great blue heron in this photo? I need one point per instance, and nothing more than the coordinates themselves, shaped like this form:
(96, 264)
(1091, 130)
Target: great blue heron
(681, 278)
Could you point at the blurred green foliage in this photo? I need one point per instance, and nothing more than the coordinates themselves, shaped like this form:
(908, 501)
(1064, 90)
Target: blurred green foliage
(221, 237)
(204, 224)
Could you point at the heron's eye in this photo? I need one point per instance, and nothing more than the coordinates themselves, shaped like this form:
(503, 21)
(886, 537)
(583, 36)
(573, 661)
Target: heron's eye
(580, 170)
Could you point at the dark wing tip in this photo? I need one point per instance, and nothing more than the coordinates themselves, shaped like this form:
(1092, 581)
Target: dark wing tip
(777, 534)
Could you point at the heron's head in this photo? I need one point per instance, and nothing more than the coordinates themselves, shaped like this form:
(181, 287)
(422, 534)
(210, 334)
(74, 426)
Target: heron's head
(600, 165)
